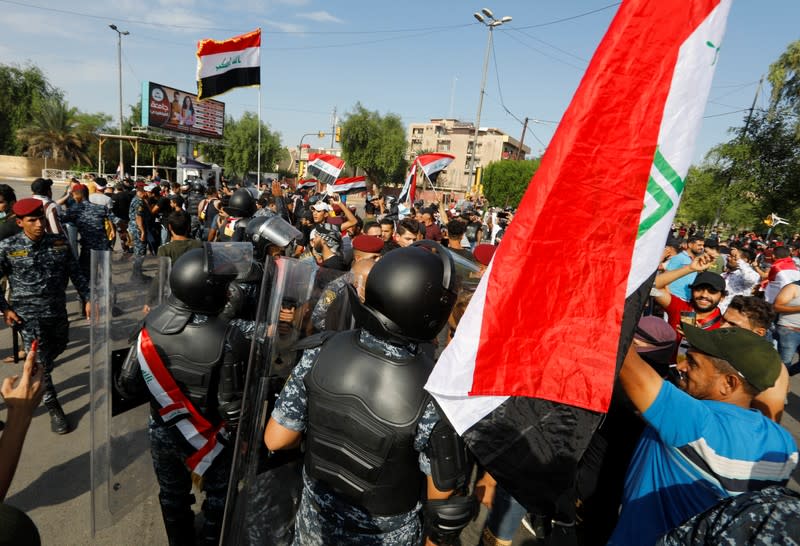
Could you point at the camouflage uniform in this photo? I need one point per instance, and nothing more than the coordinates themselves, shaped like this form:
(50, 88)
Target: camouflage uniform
(37, 273)
(325, 518)
(90, 219)
(139, 207)
(330, 294)
(768, 516)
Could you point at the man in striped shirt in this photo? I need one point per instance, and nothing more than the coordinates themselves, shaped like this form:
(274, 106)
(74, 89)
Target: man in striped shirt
(704, 443)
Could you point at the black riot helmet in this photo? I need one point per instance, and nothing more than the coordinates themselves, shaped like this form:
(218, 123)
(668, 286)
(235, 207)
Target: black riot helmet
(195, 287)
(242, 204)
(198, 187)
(409, 293)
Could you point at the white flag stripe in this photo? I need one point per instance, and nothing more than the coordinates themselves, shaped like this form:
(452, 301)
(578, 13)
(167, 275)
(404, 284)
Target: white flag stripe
(212, 65)
(680, 125)
(451, 379)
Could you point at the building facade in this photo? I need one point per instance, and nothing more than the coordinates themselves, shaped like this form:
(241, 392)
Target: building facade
(451, 136)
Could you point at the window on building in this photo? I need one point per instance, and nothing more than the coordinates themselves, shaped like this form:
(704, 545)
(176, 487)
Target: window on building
(443, 146)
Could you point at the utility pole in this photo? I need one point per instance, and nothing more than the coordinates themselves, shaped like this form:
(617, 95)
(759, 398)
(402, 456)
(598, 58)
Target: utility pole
(120, 34)
(522, 139)
(730, 173)
(334, 119)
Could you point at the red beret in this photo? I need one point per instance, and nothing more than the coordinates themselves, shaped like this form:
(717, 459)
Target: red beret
(140, 185)
(483, 253)
(78, 187)
(29, 206)
(368, 243)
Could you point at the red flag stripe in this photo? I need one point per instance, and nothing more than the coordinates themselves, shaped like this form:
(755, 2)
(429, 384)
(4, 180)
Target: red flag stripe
(168, 383)
(535, 323)
(237, 43)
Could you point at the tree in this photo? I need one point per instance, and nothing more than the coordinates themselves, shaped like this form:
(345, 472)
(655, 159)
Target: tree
(701, 199)
(58, 129)
(375, 143)
(784, 76)
(504, 182)
(240, 153)
(22, 91)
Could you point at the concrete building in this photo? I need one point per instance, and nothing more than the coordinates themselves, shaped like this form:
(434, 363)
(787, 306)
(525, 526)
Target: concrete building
(454, 137)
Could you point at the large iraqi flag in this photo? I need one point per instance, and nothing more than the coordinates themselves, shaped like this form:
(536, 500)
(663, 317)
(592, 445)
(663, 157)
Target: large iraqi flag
(224, 65)
(546, 321)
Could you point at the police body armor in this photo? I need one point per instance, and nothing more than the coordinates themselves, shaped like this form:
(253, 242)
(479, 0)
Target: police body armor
(193, 354)
(234, 230)
(362, 419)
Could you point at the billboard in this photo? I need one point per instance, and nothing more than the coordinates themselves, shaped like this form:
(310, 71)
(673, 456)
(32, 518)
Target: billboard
(180, 112)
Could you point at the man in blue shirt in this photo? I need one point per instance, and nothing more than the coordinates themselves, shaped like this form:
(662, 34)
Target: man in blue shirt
(680, 287)
(704, 443)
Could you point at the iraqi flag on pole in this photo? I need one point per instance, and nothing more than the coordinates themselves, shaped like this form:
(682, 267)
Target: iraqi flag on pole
(410, 186)
(533, 361)
(325, 167)
(353, 184)
(308, 184)
(222, 66)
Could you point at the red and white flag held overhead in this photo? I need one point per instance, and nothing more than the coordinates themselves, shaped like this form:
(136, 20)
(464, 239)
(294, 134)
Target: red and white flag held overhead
(431, 164)
(224, 65)
(545, 322)
(325, 167)
(353, 184)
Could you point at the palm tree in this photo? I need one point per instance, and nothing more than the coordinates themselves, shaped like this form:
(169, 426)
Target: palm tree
(56, 128)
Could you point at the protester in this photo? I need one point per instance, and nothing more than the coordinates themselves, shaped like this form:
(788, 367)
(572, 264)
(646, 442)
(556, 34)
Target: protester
(756, 315)
(695, 247)
(706, 290)
(718, 448)
(740, 277)
(781, 272)
(787, 304)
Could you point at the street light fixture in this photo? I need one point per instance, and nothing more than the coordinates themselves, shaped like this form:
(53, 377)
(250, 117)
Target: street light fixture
(491, 24)
(120, 34)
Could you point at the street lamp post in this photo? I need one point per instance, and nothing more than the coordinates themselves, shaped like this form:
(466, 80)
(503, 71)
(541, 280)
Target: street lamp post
(120, 34)
(486, 18)
(319, 134)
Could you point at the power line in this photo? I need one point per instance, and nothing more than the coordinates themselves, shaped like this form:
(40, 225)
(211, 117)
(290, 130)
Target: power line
(726, 113)
(540, 52)
(503, 102)
(223, 29)
(578, 16)
(548, 44)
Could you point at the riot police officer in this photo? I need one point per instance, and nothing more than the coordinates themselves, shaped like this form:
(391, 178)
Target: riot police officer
(239, 210)
(372, 433)
(193, 200)
(192, 364)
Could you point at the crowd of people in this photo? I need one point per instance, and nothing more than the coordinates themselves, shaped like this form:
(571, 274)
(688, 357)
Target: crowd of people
(695, 419)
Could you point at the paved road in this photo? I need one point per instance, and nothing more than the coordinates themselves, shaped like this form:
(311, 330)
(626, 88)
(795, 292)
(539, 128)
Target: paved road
(52, 481)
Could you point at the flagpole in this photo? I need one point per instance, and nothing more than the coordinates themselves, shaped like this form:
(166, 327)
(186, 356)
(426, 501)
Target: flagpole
(258, 167)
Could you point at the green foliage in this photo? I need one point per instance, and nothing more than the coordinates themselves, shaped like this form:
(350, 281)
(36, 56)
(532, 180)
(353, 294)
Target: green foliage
(784, 76)
(240, 151)
(701, 200)
(22, 91)
(376, 144)
(504, 182)
(58, 129)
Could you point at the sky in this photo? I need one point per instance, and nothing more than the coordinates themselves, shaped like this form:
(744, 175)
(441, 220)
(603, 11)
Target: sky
(419, 60)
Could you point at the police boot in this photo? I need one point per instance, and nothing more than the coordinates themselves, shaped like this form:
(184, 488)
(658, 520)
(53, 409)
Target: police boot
(58, 421)
(179, 527)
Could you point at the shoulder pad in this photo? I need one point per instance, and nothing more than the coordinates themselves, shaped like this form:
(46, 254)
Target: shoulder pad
(168, 319)
(314, 341)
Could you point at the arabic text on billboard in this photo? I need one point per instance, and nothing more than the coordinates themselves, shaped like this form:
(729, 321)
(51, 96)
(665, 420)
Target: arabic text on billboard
(178, 111)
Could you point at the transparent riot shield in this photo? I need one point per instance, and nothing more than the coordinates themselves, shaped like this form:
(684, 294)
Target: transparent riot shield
(121, 472)
(264, 490)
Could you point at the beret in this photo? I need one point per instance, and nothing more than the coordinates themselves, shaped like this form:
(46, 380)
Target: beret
(28, 207)
(368, 243)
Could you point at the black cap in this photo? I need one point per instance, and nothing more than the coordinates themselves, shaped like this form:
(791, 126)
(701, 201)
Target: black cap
(708, 278)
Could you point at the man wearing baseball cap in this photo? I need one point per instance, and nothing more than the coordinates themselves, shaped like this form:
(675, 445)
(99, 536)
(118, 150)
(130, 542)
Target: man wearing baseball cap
(704, 443)
(707, 291)
(38, 265)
